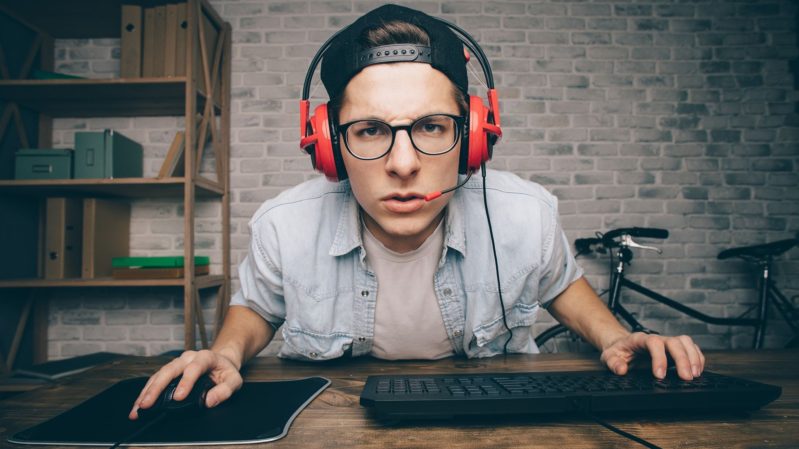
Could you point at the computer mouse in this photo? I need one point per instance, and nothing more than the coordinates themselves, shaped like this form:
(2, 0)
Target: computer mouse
(193, 403)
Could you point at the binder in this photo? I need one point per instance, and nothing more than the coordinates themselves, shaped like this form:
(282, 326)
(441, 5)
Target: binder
(173, 162)
(180, 40)
(62, 258)
(158, 273)
(157, 262)
(159, 35)
(106, 234)
(170, 40)
(131, 42)
(148, 38)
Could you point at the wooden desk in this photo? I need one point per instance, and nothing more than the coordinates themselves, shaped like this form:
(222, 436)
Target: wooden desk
(336, 420)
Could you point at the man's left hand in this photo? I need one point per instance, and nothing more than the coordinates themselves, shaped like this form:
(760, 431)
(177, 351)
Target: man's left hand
(688, 358)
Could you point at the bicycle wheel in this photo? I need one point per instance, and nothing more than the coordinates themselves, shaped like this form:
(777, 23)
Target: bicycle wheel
(559, 338)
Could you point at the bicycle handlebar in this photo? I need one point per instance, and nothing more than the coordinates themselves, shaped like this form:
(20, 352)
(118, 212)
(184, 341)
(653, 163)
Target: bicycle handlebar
(652, 233)
(584, 245)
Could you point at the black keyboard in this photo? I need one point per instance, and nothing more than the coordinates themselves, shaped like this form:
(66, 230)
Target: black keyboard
(420, 396)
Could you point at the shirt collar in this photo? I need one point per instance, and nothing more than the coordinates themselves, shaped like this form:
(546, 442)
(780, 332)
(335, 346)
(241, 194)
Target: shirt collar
(348, 235)
(455, 231)
(348, 231)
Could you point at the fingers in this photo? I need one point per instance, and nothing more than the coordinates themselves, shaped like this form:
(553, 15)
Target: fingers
(618, 356)
(680, 356)
(228, 381)
(158, 381)
(657, 352)
(199, 365)
(191, 365)
(222, 391)
(688, 358)
(695, 356)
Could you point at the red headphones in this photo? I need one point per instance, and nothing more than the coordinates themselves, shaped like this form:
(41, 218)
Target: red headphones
(481, 128)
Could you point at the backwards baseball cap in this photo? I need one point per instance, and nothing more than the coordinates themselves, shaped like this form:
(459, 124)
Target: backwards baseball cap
(346, 56)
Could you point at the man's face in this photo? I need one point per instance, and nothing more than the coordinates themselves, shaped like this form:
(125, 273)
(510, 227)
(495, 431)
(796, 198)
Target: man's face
(390, 189)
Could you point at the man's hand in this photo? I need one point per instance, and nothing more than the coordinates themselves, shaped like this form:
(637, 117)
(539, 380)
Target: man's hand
(687, 356)
(192, 365)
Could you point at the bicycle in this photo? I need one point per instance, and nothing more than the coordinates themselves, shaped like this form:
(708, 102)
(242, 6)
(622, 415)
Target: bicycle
(618, 243)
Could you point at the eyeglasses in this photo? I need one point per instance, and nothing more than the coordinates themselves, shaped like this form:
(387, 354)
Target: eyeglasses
(372, 139)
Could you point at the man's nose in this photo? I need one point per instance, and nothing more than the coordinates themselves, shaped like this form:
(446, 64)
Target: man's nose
(403, 159)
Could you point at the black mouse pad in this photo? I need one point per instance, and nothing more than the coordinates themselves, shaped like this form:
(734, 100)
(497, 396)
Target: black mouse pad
(258, 412)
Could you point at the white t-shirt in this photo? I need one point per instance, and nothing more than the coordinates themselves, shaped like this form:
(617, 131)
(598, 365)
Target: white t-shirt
(408, 322)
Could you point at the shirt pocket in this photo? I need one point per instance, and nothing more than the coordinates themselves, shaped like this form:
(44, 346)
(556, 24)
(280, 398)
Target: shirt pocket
(491, 335)
(303, 345)
(318, 323)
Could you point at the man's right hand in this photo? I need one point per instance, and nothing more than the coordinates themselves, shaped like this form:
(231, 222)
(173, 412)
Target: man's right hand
(192, 365)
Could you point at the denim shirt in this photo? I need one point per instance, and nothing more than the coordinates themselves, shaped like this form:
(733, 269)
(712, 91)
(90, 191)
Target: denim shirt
(306, 268)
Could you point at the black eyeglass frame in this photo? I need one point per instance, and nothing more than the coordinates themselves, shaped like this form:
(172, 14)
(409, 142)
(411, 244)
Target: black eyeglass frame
(459, 123)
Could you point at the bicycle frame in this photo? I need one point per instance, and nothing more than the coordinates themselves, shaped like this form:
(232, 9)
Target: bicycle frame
(768, 293)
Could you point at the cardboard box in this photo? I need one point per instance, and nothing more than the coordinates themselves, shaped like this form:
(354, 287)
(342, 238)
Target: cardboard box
(107, 154)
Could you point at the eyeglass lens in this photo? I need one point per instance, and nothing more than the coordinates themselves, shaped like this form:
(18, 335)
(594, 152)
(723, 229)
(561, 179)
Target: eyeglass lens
(371, 139)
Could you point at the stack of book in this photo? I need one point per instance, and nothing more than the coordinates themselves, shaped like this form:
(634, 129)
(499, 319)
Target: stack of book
(169, 267)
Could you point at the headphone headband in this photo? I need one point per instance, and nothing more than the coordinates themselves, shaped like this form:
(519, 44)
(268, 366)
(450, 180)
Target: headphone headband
(481, 127)
(465, 38)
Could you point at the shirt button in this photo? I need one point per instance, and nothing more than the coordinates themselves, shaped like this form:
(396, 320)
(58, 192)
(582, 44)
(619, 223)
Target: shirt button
(365, 293)
(361, 338)
(313, 355)
(458, 333)
(447, 292)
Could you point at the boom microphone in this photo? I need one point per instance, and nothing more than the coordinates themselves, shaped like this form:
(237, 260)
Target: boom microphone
(433, 195)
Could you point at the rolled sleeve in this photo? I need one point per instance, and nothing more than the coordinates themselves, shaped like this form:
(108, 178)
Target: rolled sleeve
(560, 268)
(261, 278)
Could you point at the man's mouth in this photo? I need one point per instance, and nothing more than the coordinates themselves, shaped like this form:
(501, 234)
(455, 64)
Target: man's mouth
(404, 199)
(403, 204)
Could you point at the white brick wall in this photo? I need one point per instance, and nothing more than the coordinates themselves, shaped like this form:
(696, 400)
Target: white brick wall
(678, 115)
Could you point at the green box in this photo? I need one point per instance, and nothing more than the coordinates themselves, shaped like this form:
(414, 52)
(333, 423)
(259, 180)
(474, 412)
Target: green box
(106, 154)
(47, 163)
(156, 262)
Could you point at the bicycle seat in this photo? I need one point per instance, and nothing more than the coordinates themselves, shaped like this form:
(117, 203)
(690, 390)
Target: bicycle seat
(759, 251)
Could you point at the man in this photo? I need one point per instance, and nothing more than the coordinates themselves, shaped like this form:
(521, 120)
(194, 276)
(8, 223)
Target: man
(368, 266)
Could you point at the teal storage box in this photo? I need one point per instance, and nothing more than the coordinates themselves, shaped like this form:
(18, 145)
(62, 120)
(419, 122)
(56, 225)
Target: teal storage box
(106, 154)
(43, 164)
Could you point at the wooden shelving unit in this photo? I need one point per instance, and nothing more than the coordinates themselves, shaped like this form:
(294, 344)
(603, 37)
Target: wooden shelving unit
(119, 187)
(205, 120)
(208, 281)
(125, 97)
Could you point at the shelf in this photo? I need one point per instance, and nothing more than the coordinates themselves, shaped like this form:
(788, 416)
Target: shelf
(205, 281)
(179, 96)
(84, 19)
(118, 97)
(70, 20)
(120, 187)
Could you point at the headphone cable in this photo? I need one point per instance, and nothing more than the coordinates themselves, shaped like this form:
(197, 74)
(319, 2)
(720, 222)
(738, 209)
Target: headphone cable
(585, 412)
(496, 262)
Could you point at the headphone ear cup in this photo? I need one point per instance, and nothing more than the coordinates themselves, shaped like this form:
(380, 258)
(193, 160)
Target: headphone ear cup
(479, 144)
(322, 153)
(335, 146)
